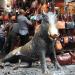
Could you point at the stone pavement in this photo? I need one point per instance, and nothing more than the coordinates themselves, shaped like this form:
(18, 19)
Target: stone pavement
(35, 70)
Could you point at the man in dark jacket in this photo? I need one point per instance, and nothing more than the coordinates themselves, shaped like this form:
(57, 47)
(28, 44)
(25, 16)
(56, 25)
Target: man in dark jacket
(2, 37)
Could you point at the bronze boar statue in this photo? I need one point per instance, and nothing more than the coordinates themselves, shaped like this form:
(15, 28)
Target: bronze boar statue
(41, 45)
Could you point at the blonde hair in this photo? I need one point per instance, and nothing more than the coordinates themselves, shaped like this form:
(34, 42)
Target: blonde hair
(21, 11)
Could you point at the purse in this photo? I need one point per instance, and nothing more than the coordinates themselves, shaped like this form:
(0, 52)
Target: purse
(64, 59)
(73, 57)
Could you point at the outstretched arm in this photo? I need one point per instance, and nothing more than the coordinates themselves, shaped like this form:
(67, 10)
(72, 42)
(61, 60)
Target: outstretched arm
(28, 21)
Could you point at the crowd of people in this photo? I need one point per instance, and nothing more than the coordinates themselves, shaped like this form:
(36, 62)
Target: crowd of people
(11, 28)
(17, 26)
